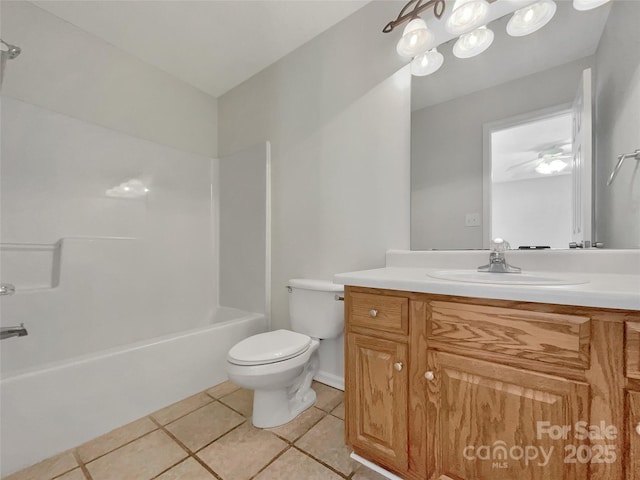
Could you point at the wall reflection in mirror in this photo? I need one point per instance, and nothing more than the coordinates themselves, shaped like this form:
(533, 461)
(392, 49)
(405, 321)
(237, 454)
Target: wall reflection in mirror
(473, 113)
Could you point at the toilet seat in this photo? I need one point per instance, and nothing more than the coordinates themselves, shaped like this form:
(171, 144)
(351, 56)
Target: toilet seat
(270, 347)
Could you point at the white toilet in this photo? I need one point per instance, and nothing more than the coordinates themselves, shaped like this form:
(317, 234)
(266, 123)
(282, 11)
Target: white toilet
(280, 365)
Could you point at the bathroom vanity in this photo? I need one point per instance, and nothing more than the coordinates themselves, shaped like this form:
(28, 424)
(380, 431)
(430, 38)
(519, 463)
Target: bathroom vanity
(442, 384)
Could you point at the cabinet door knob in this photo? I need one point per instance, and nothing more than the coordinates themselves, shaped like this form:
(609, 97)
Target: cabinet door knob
(429, 376)
(397, 366)
(373, 313)
(638, 428)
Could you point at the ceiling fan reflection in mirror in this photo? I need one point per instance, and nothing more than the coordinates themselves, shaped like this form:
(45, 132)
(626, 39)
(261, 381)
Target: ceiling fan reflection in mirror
(550, 160)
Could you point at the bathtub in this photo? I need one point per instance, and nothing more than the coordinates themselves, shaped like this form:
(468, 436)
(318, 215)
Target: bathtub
(57, 406)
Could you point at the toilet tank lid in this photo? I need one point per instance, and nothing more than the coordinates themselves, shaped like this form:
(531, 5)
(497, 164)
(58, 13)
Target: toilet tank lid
(309, 284)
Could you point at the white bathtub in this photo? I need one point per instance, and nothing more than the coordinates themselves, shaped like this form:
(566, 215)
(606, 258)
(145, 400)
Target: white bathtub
(58, 406)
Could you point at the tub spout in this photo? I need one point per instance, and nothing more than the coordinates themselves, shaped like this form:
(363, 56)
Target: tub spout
(8, 332)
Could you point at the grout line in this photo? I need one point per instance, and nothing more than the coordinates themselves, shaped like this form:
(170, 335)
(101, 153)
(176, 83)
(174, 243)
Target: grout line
(170, 467)
(157, 422)
(190, 454)
(83, 467)
(218, 398)
(324, 414)
(333, 469)
(116, 448)
(219, 437)
(271, 461)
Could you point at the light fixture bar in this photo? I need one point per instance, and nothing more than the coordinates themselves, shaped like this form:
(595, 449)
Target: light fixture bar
(419, 6)
(413, 8)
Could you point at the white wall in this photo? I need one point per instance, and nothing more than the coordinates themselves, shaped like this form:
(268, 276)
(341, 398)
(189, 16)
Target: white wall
(446, 152)
(618, 128)
(337, 118)
(533, 212)
(67, 70)
(244, 212)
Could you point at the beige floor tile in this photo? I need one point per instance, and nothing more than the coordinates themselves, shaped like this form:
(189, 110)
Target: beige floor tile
(363, 473)
(141, 460)
(241, 401)
(222, 389)
(327, 397)
(73, 475)
(299, 425)
(187, 470)
(114, 439)
(242, 453)
(325, 441)
(295, 465)
(204, 425)
(338, 411)
(47, 469)
(181, 408)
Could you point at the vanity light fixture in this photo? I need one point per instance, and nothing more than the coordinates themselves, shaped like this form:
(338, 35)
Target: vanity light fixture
(467, 15)
(532, 18)
(468, 20)
(416, 39)
(473, 43)
(584, 5)
(427, 63)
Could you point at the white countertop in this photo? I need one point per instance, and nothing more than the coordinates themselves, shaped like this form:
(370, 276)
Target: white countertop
(605, 290)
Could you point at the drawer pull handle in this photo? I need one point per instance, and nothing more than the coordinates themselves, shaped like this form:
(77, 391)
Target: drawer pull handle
(638, 428)
(373, 313)
(397, 366)
(429, 376)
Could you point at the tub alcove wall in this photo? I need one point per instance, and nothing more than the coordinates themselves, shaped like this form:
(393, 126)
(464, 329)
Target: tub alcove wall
(115, 244)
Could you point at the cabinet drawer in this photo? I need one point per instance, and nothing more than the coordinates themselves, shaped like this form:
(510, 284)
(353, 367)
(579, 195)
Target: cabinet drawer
(632, 349)
(544, 337)
(379, 312)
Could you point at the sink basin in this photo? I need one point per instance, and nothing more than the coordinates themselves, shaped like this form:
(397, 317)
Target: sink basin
(526, 278)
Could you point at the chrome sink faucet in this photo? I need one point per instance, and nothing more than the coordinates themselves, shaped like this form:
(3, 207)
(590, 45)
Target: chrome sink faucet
(497, 261)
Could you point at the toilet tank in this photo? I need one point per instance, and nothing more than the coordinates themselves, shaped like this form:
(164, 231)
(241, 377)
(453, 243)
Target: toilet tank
(313, 308)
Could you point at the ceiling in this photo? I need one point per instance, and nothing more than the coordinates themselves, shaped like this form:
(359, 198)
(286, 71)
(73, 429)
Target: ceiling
(212, 45)
(569, 36)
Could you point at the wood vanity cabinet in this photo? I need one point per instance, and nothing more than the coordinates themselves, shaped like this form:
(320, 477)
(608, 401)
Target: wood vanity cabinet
(632, 359)
(378, 417)
(455, 388)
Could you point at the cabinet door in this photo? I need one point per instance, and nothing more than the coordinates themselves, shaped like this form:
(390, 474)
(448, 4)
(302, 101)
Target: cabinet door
(492, 422)
(633, 460)
(377, 399)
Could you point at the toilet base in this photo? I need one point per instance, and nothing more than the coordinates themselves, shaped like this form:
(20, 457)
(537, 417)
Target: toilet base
(272, 408)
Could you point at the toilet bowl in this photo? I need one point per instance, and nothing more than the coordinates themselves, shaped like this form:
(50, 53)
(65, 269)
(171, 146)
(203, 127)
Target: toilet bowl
(279, 366)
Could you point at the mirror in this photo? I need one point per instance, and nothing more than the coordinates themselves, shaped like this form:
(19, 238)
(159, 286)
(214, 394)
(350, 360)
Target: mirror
(515, 78)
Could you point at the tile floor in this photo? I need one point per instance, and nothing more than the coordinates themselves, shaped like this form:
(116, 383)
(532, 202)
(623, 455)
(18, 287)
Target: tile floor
(210, 436)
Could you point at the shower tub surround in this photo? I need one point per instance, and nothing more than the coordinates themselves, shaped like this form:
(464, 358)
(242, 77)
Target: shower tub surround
(112, 243)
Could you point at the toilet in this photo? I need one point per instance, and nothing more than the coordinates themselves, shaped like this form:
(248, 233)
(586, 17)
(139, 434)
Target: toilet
(279, 366)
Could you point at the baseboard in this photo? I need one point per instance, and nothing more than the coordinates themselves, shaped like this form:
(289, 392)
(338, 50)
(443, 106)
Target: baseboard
(374, 467)
(334, 381)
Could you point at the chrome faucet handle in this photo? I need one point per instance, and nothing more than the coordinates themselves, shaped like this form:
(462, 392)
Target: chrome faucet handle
(499, 245)
(497, 261)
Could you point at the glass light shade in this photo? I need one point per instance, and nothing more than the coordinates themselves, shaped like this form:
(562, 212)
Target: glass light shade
(416, 39)
(583, 5)
(427, 63)
(473, 43)
(467, 15)
(532, 18)
(554, 166)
